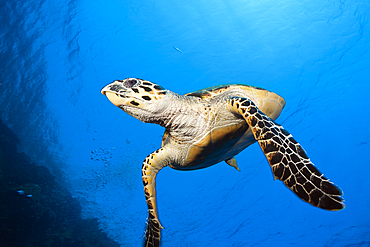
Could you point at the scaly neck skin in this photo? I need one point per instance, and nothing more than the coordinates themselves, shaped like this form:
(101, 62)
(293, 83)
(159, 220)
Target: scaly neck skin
(181, 116)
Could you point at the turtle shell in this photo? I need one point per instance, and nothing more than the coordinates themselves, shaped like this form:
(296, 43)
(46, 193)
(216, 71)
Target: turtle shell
(268, 102)
(230, 135)
(209, 92)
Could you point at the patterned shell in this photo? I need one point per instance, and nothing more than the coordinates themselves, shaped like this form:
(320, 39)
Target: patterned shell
(209, 92)
(268, 102)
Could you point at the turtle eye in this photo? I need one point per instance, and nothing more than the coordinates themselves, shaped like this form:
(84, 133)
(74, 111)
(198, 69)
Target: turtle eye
(131, 83)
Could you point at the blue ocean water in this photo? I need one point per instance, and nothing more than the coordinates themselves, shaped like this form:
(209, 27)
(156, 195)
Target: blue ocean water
(57, 55)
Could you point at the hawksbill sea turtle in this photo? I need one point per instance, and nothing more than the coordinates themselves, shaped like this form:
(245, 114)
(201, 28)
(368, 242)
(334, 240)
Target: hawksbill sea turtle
(212, 125)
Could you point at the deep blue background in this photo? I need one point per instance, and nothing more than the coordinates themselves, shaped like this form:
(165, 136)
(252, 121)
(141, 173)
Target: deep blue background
(55, 56)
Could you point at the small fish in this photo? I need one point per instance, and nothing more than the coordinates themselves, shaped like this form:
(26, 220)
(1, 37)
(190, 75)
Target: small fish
(20, 192)
(177, 49)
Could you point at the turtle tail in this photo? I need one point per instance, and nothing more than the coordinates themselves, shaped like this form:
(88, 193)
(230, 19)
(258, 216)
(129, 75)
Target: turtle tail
(288, 161)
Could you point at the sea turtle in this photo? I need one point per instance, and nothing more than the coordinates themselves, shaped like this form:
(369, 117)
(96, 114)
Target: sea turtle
(212, 125)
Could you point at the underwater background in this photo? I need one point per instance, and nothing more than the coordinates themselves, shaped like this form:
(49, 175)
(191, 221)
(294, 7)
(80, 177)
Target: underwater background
(71, 161)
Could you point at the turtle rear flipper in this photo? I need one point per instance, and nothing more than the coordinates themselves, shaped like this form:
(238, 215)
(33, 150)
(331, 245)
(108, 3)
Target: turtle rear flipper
(288, 160)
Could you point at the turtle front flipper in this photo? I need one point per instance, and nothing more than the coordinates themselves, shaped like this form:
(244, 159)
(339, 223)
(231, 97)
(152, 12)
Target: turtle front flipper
(151, 166)
(288, 160)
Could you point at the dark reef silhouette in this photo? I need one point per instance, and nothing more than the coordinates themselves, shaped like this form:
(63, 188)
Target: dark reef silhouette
(34, 209)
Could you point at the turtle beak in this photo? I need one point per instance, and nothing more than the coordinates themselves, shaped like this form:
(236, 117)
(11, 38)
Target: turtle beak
(112, 87)
(104, 90)
(112, 91)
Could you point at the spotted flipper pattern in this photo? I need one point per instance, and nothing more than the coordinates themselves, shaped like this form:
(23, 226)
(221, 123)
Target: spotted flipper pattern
(151, 166)
(288, 160)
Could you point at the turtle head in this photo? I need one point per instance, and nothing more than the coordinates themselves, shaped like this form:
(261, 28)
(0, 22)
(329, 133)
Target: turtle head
(139, 98)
